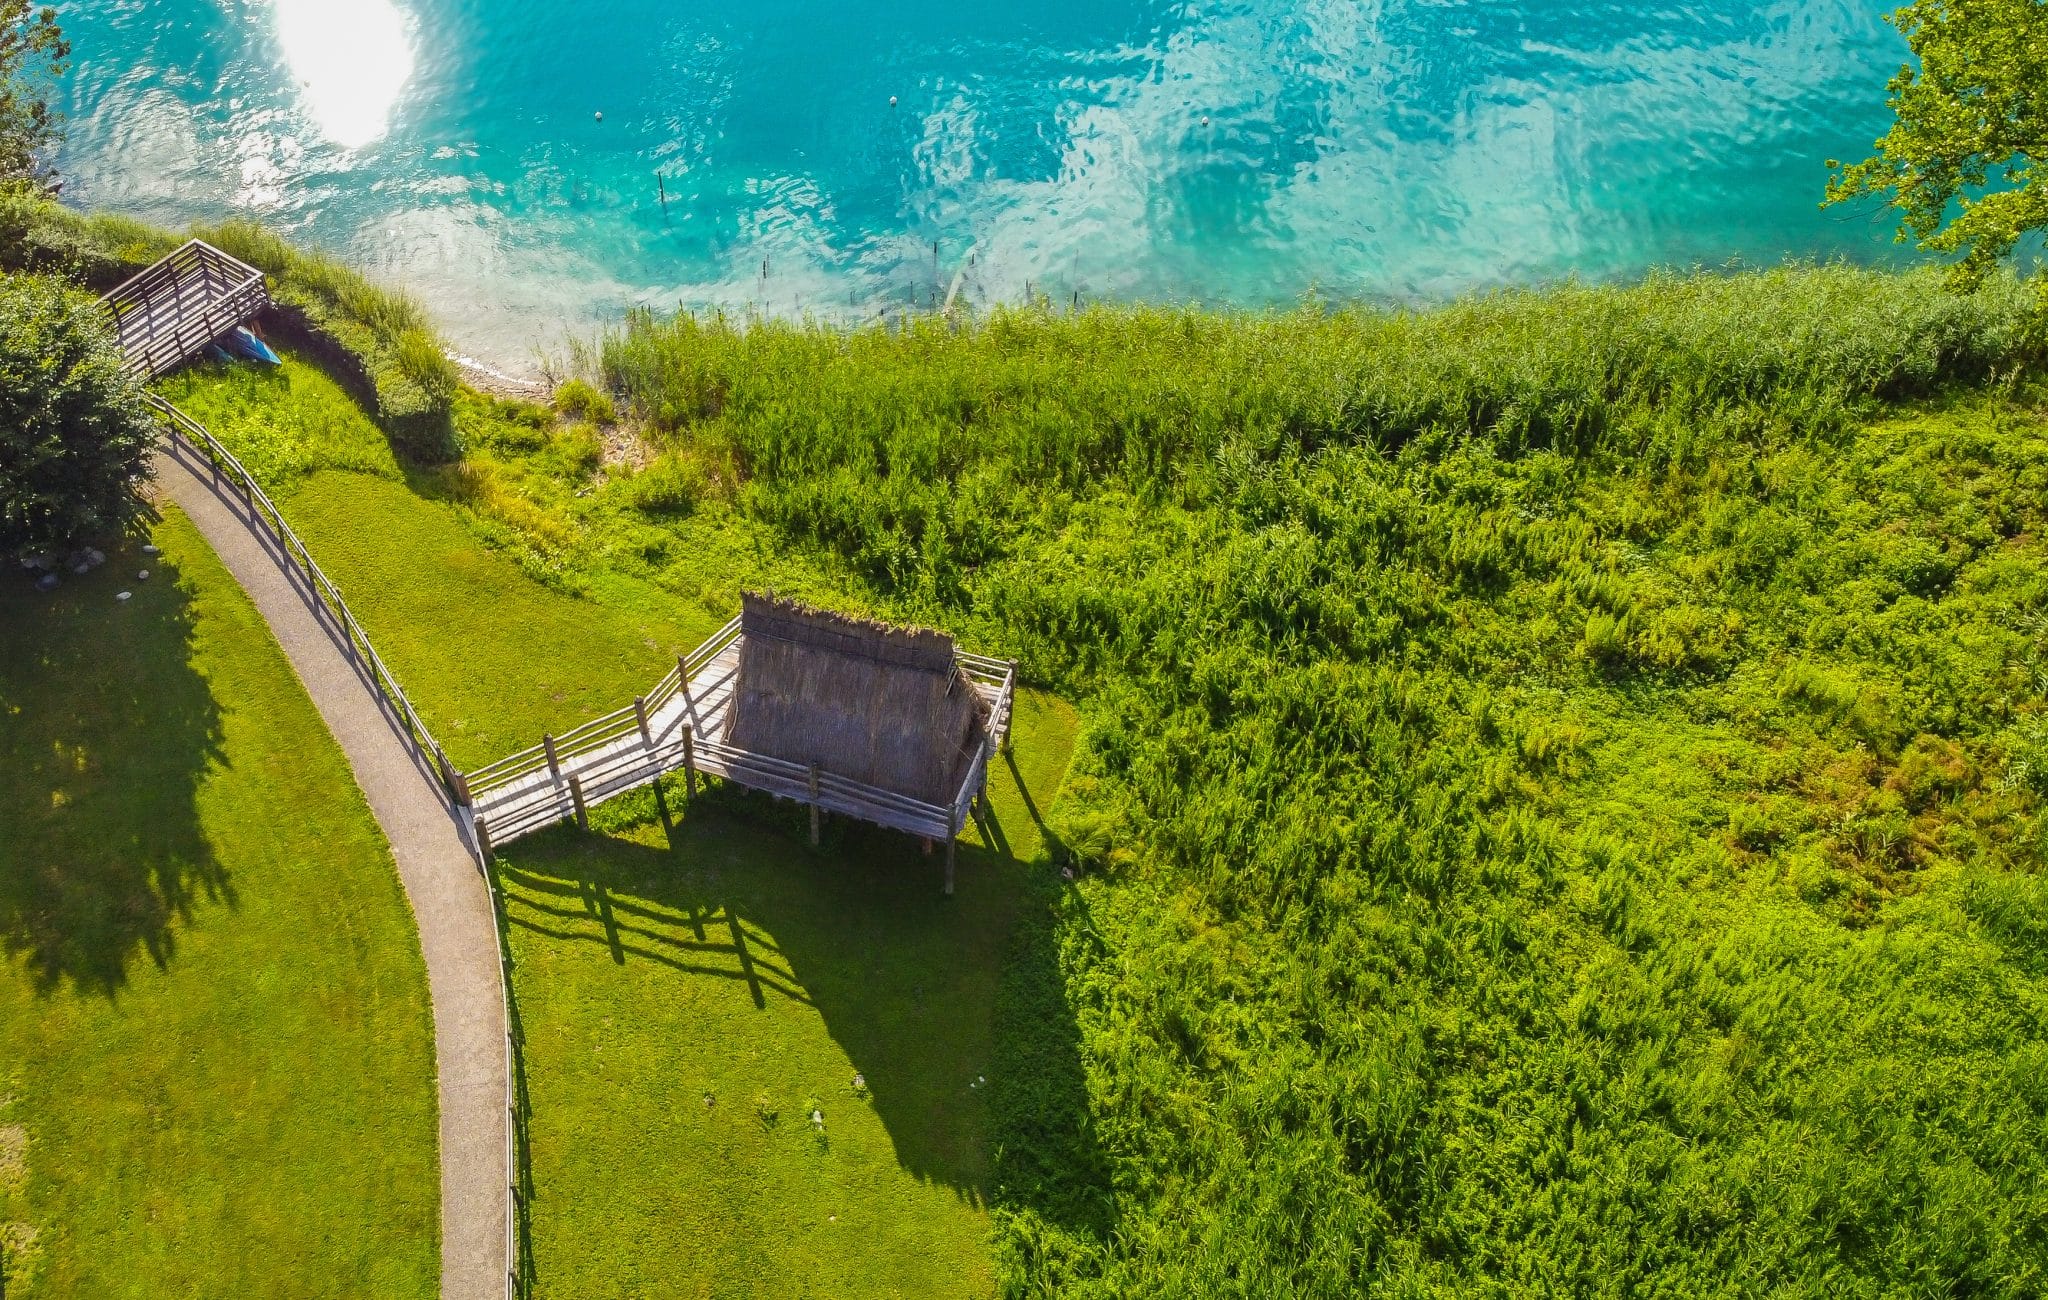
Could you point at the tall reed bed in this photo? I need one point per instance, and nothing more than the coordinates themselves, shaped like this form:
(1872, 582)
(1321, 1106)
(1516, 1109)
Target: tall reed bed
(1558, 810)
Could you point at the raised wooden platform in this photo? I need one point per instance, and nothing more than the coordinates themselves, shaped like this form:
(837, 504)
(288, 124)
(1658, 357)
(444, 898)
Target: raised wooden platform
(170, 312)
(674, 727)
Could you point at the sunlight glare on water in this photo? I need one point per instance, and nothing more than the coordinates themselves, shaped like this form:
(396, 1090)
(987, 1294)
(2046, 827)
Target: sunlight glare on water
(809, 157)
(351, 59)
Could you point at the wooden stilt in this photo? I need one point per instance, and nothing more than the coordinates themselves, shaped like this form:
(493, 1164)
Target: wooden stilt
(816, 812)
(1010, 718)
(689, 762)
(952, 844)
(576, 802)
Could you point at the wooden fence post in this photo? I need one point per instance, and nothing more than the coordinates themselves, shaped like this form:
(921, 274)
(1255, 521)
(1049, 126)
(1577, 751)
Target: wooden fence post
(814, 805)
(456, 783)
(576, 802)
(1010, 718)
(554, 764)
(683, 676)
(689, 762)
(483, 838)
(640, 713)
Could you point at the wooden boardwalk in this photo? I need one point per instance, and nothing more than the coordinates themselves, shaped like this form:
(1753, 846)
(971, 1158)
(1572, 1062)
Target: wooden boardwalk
(676, 728)
(172, 311)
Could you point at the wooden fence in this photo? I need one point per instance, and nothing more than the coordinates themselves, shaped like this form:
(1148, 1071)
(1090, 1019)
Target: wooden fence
(184, 302)
(265, 511)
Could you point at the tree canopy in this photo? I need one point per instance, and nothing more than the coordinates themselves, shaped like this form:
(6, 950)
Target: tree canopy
(73, 433)
(33, 54)
(1961, 163)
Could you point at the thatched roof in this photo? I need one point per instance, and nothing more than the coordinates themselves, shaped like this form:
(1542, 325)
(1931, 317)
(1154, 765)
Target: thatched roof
(883, 705)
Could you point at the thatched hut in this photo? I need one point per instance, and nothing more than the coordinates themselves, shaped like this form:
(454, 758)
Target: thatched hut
(895, 726)
(889, 707)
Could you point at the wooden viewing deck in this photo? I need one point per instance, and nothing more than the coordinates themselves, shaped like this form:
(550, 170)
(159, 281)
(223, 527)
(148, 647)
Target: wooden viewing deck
(674, 728)
(171, 311)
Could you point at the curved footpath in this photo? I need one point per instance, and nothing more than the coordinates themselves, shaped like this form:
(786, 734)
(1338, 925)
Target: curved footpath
(450, 901)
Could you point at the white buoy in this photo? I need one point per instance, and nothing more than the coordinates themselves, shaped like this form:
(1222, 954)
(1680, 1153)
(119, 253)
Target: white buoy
(892, 101)
(1205, 119)
(600, 117)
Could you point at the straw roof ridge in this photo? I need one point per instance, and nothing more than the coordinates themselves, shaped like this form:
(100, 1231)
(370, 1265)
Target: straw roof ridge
(765, 614)
(887, 706)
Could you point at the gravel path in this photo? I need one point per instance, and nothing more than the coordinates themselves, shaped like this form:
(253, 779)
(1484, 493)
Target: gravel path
(450, 901)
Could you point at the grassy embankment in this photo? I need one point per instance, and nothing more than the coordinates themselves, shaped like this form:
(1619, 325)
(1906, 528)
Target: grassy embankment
(1562, 783)
(216, 1058)
(690, 990)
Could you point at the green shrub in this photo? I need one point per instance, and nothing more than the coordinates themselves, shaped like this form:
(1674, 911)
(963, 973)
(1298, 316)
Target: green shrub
(74, 435)
(671, 485)
(579, 400)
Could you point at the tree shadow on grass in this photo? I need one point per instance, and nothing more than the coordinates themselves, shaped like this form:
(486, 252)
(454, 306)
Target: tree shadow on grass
(106, 731)
(954, 1011)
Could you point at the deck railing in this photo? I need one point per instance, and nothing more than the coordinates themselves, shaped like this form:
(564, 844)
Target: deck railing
(588, 765)
(173, 309)
(599, 733)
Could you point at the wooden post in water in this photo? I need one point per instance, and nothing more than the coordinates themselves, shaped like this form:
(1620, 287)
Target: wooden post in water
(814, 805)
(640, 713)
(689, 762)
(576, 802)
(554, 764)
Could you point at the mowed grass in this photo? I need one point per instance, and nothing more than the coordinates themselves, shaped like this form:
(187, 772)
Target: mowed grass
(216, 1053)
(755, 1068)
(690, 982)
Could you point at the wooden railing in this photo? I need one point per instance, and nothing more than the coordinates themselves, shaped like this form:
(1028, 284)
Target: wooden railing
(173, 309)
(264, 510)
(599, 733)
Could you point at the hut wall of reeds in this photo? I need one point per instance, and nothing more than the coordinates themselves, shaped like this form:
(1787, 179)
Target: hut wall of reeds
(884, 705)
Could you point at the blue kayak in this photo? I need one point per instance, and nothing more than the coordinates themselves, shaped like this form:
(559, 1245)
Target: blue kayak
(247, 346)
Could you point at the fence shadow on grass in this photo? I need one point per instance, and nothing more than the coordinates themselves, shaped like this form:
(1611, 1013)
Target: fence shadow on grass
(954, 1010)
(106, 732)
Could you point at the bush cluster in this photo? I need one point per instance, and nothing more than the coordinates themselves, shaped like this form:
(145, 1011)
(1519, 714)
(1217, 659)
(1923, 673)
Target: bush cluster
(74, 435)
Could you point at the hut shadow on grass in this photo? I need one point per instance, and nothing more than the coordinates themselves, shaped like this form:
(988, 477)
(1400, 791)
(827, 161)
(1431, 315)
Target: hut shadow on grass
(954, 1011)
(106, 732)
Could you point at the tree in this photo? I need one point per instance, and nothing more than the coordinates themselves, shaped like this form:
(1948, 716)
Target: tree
(1962, 162)
(73, 432)
(33, 53)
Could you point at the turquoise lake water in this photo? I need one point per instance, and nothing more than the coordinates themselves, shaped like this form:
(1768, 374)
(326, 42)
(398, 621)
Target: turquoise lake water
(1243, 152)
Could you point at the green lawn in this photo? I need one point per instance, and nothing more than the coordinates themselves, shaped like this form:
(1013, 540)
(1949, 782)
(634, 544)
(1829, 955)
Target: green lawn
(691, 993)
(691, 983)
(216, 1053)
